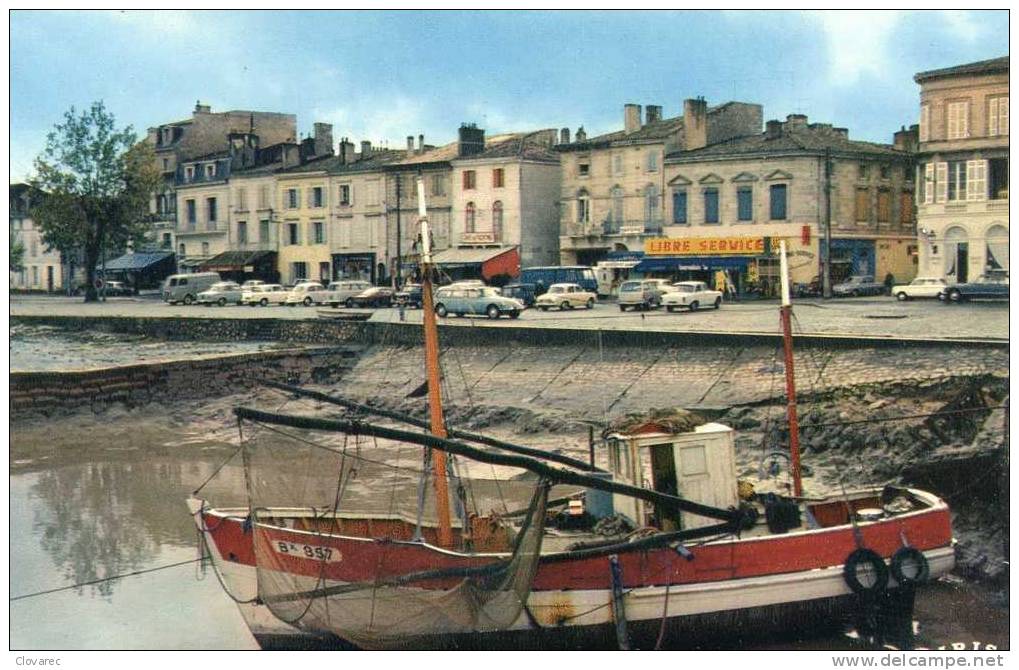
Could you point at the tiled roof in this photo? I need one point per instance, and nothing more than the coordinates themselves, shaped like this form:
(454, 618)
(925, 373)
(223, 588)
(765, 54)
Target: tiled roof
(655, 131)
(333, 164)
(994, 65)
(527, 146)
(792, 140)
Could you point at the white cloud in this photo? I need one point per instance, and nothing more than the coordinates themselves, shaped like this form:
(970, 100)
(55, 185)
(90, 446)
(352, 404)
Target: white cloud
(379, 119)
(858, 43)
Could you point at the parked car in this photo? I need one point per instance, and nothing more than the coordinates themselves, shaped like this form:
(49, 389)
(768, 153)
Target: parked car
(409, 296)
(691, 295)
(342, 291)
(248, 283)
(376, 296)
(486, 300)
(306, 293)
(544, 277)
(565, 296)
(186, 287)
(858, 285)
(921, 287)
(221, 293)
(991, 286)
(811, 289)
(264, 295)
(118, 288)
(525, 293)
(641, 294)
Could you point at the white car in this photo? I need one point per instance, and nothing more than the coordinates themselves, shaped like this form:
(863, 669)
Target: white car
(220, 294)
(921, 287)
(305, 294)
(342, 291)
(691, 295)
(264, 294)
(565, 296)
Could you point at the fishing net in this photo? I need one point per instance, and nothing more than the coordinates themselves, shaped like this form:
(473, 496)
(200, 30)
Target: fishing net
(346, 537)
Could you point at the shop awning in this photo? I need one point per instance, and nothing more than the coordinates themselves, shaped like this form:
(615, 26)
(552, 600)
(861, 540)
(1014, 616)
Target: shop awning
(676, 263)
(137, 262)
(237, 261)
(490, 261)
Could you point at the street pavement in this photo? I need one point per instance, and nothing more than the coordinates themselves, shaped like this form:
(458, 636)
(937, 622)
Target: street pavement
(874, 316)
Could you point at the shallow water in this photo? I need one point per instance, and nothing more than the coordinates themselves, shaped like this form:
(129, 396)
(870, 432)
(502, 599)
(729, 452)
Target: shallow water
(94, 496)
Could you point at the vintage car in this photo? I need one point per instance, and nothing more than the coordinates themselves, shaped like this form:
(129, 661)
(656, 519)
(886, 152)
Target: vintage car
(921, 287)
(264, 295)
(409, 296)
(565, 296)
(525, 293)
(991, 286)
(375, 296)
(641, 294)
(341, 291)
(467, 299)
(306, 293)
(858, 285)
(691, 295)
(221, 293)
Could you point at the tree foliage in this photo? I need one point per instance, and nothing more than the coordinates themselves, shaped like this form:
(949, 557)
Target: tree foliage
(17, 252)
(98, 181)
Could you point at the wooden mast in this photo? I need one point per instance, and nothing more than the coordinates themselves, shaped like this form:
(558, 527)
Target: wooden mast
(790, 384)
(437, 420)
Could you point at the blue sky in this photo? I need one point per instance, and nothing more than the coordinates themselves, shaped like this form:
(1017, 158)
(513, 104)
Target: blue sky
(384, 75)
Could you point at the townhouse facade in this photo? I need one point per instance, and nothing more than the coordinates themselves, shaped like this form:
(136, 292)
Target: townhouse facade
(962, 171)
(42, 269)
(612, 185)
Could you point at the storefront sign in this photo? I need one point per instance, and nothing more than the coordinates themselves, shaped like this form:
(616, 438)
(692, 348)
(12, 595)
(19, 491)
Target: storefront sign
(477, 238)
(704, 246)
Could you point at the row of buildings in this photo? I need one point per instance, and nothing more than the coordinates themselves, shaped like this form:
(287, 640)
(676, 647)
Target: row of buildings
(710, 189)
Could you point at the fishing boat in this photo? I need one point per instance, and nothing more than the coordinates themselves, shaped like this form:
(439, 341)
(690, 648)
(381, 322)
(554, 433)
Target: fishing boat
(406, 534)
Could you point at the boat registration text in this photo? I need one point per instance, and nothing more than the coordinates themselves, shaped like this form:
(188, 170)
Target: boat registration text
(325, 554)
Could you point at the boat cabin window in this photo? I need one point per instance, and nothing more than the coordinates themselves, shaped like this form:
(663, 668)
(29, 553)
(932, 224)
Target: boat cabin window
(619, 461)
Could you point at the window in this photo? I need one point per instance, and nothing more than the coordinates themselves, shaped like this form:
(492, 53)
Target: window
(35, 275)
(372, 193)
(324, 271)
(183, 251)
(469, 180)
(679, 206)
(293, 233)
(263, 230)
(469, 217)
(498, 178)
(864, 171)
(925, 123)
(438, 184)
(652, 161)
(497, 220)
(956, 180)
(583, 207)
(189, 173)
(998, 186)
(242, 199)
(344, 195)
(906, 207)
(33, 249)
(210, 204)
(884, 206)
(263, 197)
(711, 205)
(318, 232)
(976, 178)
(293, 198)
(779, 198)
(210, 170)
(745, 203)
(617, 206)
(940, 182)
(316, 196)
(192, 213)
(886, 171)
(167, 241)
(205, 248)
(166, 164)
(652, 220)
(958, 120)
(997, 115)
(617, 164)
(299, 270)
(583, 169)
(862, 204)
(242, 232)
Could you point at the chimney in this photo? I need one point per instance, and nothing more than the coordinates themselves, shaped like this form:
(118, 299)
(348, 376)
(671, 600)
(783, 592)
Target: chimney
(202, 109)
(346, 151)
(581, 135)
(472, 140)
(907, 140)
(564, 136)
(654, 113)
(421, 144)
(366, 149)
(773, 129)
(631, 118)
(695, 123)
(796, 120)
(323, 139)
(410, 144)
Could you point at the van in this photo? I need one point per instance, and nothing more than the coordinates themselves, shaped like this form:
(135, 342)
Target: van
(342, 292)
(543, 277)
(186, 287)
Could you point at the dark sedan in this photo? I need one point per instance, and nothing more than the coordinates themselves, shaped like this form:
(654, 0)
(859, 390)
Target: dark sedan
(376, 296)
(409, 296)
(991, 286)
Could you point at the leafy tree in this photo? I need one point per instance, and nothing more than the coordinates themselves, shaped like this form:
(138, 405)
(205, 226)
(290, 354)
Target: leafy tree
(98, 182)
(17, 252)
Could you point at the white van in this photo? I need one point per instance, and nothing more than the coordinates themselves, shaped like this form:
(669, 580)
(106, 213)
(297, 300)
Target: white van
(185, 288)
(339, 292)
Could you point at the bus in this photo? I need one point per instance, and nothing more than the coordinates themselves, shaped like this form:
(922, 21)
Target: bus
(543, 277)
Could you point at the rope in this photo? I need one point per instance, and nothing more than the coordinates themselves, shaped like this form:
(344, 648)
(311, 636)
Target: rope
(221, 466)
(107, 579)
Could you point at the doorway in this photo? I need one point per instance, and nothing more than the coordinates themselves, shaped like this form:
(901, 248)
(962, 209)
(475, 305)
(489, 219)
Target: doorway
(49, 278)
(663, 480)
(962, 262)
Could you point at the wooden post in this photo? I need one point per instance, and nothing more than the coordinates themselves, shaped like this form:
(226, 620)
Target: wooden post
(785, 315)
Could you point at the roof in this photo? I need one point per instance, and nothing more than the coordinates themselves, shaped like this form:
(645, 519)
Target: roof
(137, 261)
(656, 131)
(334, 165)
(223, 153)
(451, 151)
(991, 66)
(527, 146)
(468, 256)
(803, 140)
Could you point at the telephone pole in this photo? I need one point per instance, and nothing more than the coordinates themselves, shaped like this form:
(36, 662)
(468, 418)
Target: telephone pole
(826, 262)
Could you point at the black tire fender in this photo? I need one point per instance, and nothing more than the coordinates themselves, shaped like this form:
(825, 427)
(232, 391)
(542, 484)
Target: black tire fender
(905, 558)
(865, 558)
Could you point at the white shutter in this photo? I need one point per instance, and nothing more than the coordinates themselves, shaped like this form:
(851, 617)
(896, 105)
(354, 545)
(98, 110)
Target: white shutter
(925, 122)
(992, 116)
(976, 180)
(1003, 116)
(941, 183)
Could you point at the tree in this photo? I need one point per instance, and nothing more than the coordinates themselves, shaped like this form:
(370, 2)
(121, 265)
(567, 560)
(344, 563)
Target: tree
(98, 181)
(17, 252)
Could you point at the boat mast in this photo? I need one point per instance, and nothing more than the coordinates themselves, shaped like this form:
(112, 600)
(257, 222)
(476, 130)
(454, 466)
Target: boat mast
(437, 420)
(785, 313)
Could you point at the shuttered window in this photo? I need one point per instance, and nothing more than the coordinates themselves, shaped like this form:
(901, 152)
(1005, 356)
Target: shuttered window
(779, 193)
(906, 207)
(958, 120)
(956, 181)
(469, 180)
(925, 123)
(941, 182)
(884, 206)
(711, 205)
(498, 178)
(745, 203)
(976, 180)
(862, 204)
(678, 206)
(997, 115)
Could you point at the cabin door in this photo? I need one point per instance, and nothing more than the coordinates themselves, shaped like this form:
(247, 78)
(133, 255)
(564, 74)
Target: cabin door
(663, 480)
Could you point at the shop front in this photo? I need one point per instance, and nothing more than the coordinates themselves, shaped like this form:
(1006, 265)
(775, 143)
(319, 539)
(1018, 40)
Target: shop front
(488, 264)
(239, 266)
(355, 266)
(734, 265)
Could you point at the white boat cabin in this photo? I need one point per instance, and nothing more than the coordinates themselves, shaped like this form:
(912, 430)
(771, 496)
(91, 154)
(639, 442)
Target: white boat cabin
(699, 466)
